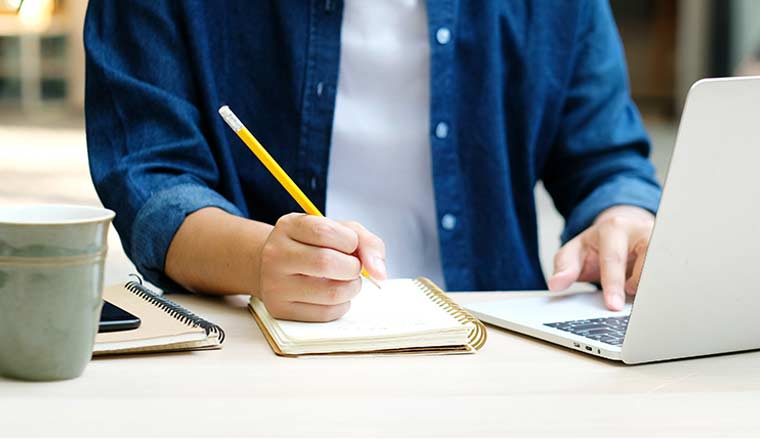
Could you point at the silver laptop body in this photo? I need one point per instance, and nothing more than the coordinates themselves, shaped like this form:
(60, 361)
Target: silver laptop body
(700, 286)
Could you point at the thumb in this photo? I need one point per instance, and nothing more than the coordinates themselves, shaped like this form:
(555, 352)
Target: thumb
(371, 250)
(568, 263)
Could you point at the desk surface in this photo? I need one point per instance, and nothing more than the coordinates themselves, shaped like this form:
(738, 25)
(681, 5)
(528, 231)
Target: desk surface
(515, 385)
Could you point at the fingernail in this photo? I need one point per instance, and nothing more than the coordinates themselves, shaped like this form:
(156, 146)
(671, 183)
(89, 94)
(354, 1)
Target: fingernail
(618, 300)
(553, 283)
(554, 280)
(379, 265)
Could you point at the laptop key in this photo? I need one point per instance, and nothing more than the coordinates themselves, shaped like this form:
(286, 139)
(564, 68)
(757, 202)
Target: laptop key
(609, 330)
(582, 328)
(597, 331)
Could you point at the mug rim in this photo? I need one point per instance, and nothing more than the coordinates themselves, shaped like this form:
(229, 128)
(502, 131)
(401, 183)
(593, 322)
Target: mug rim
(89, 214)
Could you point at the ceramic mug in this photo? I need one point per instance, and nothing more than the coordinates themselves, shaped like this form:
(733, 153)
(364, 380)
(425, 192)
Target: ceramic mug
(51, 288)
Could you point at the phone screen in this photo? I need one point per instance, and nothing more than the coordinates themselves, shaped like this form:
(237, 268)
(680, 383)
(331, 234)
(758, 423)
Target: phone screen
(114, 319)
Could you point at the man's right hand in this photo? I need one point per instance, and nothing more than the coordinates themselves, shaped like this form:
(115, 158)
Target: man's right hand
(310, 266)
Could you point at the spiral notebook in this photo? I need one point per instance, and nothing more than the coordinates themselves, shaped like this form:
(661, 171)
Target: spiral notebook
(165, 325)
(405, 316)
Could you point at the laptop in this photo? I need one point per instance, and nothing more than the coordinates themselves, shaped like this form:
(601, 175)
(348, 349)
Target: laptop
(699, 292)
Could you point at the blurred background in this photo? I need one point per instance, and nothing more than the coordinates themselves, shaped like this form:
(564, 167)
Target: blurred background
(669, 44)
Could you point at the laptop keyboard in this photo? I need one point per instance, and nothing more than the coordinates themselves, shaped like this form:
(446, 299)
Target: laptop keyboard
(610, 330)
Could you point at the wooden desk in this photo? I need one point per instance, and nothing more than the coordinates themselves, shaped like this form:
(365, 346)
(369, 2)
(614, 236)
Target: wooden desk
(515, 385)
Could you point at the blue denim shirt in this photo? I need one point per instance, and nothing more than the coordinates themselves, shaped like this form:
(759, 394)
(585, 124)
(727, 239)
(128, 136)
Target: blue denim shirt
(532, 90)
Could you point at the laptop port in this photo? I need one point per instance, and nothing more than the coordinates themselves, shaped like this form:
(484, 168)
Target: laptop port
(576, 345)
(588, 347)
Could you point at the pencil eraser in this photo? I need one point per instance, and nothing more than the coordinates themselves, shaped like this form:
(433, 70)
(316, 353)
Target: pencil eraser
(230, 118)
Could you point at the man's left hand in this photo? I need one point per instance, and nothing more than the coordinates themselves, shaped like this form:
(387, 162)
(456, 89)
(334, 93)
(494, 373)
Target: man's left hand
(611, 251)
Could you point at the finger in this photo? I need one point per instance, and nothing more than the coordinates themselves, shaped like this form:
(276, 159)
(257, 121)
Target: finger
(568, 263)
(613, 255)
(295, 311)
(300, 288)
(590, 271)
(371, 251)
(318, 262)
(320, 231)
(632, 285)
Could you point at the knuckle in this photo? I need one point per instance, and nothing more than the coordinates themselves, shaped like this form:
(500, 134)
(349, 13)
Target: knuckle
(333, 294)
(614, 258)
(269, 253)
(288, 219)
(321, 231)
(324, 262)
(617, 221)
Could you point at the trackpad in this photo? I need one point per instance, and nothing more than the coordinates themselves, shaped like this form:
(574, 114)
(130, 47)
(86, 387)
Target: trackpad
(547, 308)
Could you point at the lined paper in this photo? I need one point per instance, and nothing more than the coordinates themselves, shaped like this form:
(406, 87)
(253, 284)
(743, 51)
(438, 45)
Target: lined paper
(399, 308)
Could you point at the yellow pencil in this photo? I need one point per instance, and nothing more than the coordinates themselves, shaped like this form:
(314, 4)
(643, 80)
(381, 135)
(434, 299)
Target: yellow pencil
(261, 153)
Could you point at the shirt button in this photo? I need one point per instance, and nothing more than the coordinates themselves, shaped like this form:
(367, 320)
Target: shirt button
(313, 183)
(441, 130)
(320, 87)
(448, 222)
(443, 35)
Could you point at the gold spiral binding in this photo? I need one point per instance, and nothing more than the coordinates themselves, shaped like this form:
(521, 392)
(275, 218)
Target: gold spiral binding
(477, 336)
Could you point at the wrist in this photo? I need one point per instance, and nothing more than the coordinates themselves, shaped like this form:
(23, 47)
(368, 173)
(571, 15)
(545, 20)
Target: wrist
(624, 211)
(253, 242)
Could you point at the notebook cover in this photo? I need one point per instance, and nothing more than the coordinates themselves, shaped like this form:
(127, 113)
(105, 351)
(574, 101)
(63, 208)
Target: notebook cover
(160, 330)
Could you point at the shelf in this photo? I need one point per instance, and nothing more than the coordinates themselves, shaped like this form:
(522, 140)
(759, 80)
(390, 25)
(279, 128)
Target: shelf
(11, 26)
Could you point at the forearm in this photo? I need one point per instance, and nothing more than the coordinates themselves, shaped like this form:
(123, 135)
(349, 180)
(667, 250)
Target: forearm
(216, 252)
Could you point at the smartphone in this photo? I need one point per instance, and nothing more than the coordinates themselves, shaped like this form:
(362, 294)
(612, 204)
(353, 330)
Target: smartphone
(116, 319)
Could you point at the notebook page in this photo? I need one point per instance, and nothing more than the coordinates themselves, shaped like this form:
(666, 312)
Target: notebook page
(400, 307)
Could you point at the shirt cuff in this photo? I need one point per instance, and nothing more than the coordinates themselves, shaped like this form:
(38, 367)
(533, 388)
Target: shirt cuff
(158, 221)
(621, 190)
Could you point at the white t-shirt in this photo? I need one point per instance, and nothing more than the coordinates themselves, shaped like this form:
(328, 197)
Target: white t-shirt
(380, 171)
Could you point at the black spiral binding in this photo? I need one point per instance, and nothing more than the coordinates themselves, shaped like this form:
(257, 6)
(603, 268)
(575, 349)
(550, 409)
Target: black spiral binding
(173, 309)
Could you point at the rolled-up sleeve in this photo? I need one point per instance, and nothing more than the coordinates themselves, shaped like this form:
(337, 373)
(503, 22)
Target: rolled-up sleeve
(600, 156)
(149, 158)
(159, 219)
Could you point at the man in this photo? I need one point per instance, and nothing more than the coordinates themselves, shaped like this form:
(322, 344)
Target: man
(436, 119)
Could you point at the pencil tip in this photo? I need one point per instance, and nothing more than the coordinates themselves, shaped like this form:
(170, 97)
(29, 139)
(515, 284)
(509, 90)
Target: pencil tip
(375, 282)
